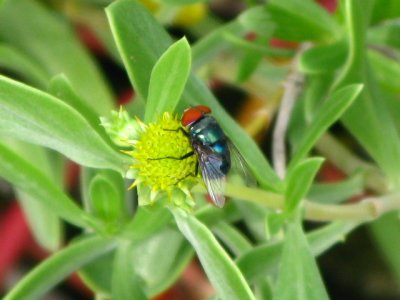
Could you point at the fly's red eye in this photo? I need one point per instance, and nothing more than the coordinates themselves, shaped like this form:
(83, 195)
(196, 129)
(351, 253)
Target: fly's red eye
(190, 116)
(203, 108)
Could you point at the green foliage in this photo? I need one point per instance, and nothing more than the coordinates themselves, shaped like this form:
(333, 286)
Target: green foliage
(53, 93)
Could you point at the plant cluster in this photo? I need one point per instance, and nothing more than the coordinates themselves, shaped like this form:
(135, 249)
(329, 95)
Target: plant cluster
(340, 67)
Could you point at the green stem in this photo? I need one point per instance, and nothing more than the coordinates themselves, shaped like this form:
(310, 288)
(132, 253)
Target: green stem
(366, 210)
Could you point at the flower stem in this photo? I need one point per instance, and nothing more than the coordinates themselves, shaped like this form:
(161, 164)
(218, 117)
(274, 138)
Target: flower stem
(366, 210)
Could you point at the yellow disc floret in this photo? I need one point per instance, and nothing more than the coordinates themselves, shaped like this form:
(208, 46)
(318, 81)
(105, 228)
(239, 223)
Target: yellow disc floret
(164, 159)
(159, 155)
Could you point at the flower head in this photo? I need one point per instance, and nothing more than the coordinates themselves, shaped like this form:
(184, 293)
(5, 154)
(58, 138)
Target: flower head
(164, 162)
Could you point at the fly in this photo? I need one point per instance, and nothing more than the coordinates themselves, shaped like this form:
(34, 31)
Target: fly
(215, 152)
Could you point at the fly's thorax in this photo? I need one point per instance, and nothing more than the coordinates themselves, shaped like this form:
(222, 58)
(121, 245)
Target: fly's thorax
(207, 131)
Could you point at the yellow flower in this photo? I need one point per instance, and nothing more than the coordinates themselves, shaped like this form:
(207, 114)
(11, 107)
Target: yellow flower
(159, 170)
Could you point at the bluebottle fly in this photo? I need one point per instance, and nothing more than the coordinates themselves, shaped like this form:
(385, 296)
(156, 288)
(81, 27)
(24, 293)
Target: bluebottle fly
(215, 152)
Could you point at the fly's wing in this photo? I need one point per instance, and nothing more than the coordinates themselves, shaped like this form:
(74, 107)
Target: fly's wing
(213, 177)
(239, 166)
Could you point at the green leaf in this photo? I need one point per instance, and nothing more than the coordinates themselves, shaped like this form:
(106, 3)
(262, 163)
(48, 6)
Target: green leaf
(125, 283)
(389, 10)
(330, 111)
(45, 225)
(14, 60)
(386, 34)
(220, 269)
(299, 276)
(158, 267)
(183, 2)
(53, 270)
(387, 70)
(264, 259)
(299, 181)
(55, 48)
(141, 41)
(106, 202)
(257, 48)
(232, 238)
(168, 79)
(301, 21)
(37, 117)
(368, 117)
(330, 193)
(248, 64)
(205, 49)
(253, 216)
(323, 58)
(29, 179)
(43, 222)
(61, 88)
(258, 20)
(385, 232)
(146, 222)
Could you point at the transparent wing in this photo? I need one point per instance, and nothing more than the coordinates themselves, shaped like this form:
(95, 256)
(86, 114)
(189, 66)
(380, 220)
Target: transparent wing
(213, 177)
(240, 167)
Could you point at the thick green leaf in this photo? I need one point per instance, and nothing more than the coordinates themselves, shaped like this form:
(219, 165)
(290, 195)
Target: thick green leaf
(158, 261)
(299, 181)
(37, 117)
(214, 43)
(253, 216)
(389, 9)
(385, 232)
(141, 41)
(146, 222)
(61, 88)
(301, 20)
(257, 20)
(236, 241)
(54, 47)
(387, 70)
(14, 60)
(330, 111)
(161, 259)
(32, 181)
(50, 272)
(330, 193)
(44, 223)
(249, 62)
(220, 269)
(299, 276)
(368, 117)
(323, 58)
(168, 79)
(106, 202)
(264, 259)
(337, 192)
(386, 34)
(125, 284)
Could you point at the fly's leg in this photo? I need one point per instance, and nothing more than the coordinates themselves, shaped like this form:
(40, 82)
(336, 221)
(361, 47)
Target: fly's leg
(189, 154)
(178, 129)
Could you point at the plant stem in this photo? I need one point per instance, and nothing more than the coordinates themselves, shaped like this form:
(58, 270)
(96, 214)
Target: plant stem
(293, 88)
(366, 210)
